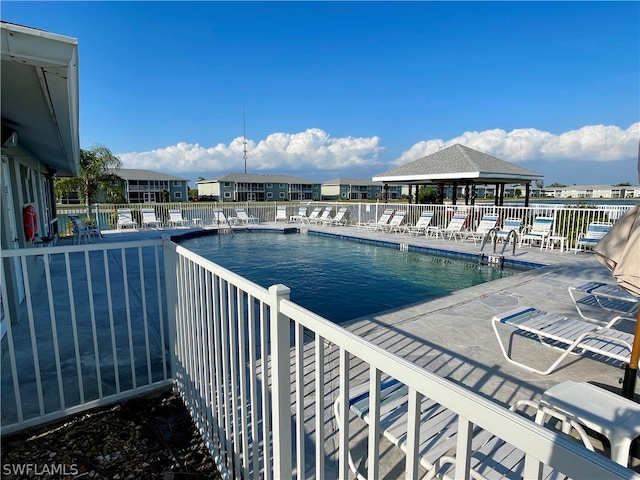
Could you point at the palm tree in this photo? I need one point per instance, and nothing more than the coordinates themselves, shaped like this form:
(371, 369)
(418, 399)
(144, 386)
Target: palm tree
(98, 173)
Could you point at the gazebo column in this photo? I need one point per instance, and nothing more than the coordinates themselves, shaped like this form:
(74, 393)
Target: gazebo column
(440, 193)
(527, 190)
(410, 190)
(454, 193)
(496, 199)
(466, 194)
(385, 189)
(473, 194)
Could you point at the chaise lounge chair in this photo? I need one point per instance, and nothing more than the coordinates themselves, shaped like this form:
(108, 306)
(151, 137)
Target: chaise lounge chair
(149, 218)
(242, 218)
(325, 217)
(125, 219)
(569, 335)
(302, 213)
(176, 220)
(313, 216)
(381, 223)
(538, 231)
(453, 229)
(604, 297)
(397, 223)
(338, 220)
(281, 214)
(491, 457)
(595, 232)
(420, 228)
(510, 225)
(487, 223)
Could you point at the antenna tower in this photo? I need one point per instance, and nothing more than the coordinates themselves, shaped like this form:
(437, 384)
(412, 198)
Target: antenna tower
(244, 142)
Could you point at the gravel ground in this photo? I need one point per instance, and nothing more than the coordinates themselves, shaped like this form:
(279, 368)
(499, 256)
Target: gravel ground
(151, 437)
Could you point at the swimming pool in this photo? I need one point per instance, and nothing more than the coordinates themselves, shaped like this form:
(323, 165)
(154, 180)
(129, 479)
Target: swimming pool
(340, 279)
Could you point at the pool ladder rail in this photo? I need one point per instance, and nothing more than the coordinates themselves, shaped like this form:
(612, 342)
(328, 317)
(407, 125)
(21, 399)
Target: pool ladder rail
(494, 259)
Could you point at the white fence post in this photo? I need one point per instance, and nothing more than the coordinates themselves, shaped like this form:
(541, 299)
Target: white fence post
(170, 265)
(280, 383)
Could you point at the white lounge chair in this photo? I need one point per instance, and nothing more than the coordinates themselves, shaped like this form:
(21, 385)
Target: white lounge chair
(81, 230)
(176, 220)
(603, 297)
(509, 225)
(569, 335)
(538, 231)
(281, 214)
(243, 218)
(339, 219)
(490, 457)
(454, 228)
(220, 220)
(313, 216)
(420, 228)
(325, 217)
(125, 219)
(397, 222)
(595, 232)
(149, 218)
(302, 213)
(487, 223)
(381, 223)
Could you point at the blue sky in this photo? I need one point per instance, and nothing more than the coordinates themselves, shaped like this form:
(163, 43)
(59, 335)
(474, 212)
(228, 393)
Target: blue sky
(352, 89)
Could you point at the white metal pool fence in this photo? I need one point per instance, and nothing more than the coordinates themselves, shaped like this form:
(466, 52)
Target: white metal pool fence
(257, 372)
(569, 221)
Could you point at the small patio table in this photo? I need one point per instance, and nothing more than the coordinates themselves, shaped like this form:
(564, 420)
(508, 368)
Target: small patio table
(610, 414)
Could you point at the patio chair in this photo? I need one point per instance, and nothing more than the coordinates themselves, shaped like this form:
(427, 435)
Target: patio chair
(81, 230)
(509, 225)
(243, 218)
(176, 220)
(302, 213)
(595, 232)
(325, 217)
(125, 219)
(569, 335)
(420, 228)
(397, 222)
(281, 214)
(313, 216)
(149, 218)
(381, 223)
(487, 223)
(490, 456)
(220, 220)
(338, 220)
(603, 297)
(454, 228)
(538, 231)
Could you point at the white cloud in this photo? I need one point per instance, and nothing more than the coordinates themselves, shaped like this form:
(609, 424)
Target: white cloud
(311, 150)
(314, 150)
(591, 143)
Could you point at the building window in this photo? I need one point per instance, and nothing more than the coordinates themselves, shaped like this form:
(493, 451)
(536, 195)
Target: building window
(269, 195)
(177, 194)
(282, 185)
(281, 194)
(176, 183)
(227, 194)
(227, 184)
(269, 185)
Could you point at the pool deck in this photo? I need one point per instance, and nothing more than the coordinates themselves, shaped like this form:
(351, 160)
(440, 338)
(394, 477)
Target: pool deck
(452, 336)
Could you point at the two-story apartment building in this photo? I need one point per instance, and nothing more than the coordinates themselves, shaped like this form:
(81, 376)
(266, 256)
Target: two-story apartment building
(356, 189)
(242, 187)
(594, 191)
(147, 186)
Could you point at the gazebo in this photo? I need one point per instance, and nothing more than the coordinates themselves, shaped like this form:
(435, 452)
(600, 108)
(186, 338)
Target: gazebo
(459, 166)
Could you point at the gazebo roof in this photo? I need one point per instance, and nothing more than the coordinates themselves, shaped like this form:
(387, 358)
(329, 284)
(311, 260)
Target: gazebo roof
(458, 164)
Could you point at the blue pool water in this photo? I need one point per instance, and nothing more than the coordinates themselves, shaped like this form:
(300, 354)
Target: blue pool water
(340, 279)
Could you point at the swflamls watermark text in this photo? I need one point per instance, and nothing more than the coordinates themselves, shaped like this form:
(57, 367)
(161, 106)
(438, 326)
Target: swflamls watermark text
(39, 470)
